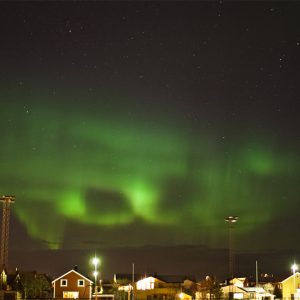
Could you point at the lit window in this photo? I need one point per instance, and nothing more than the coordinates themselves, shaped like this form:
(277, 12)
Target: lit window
(238, 296)
(80, 282)
(70, 295)
(63, 282)
(146, 284)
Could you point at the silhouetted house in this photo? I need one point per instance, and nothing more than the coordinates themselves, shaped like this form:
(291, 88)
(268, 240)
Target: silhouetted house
(14, 284)
(9, 282)
(3, 280)
(31, 284)
(72, 285)
(268, 282)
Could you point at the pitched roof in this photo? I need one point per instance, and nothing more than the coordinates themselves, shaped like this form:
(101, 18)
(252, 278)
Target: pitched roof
(174, 278)
(165, 278)
(127, 276)
(254, 289)
(73, 272)
(296, 274)
(13, 277)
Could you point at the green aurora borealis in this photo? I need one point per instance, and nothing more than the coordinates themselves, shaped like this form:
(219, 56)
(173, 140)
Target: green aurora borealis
(101, 172)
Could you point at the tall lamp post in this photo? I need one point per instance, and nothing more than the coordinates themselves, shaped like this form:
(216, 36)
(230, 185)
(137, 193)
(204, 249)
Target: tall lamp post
(231, 220)
(95, 262)
(294, 269)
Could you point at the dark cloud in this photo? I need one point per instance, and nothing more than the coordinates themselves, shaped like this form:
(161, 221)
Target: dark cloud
(102, 201)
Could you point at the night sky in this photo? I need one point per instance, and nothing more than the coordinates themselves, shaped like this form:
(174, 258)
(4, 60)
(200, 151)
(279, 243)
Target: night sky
(132, 129)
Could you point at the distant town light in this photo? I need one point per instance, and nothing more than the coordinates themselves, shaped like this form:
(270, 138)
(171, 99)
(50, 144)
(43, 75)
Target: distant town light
(145, 284)
(232, 219)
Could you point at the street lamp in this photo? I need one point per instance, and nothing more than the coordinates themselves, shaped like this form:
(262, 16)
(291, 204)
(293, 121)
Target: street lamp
(294, 269)
(95, 263)
(231, 220)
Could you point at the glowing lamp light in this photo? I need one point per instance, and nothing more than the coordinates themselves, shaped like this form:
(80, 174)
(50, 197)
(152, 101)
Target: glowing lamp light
(294, 267)
(232, 219)
(95, 261)
(95, 273)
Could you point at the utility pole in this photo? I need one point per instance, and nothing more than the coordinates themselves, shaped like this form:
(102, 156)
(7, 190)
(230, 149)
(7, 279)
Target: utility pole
(231, 220)
(132, 297)
(256, 273)
(7, 201)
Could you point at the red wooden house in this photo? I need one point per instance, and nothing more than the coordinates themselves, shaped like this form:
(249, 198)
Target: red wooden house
(72, 285)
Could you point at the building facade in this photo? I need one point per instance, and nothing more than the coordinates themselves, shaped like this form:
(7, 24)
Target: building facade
(152, 288)
(291, 287)
(72, 285)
